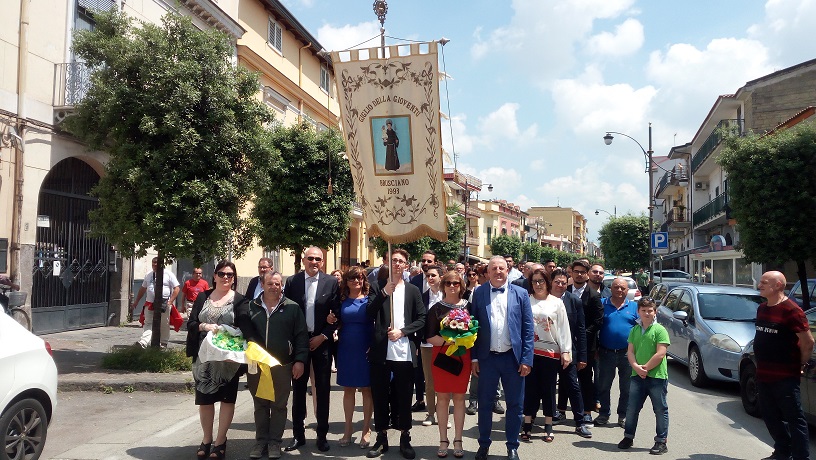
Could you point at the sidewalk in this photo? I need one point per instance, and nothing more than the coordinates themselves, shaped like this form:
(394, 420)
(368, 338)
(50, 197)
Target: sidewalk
(78, 355)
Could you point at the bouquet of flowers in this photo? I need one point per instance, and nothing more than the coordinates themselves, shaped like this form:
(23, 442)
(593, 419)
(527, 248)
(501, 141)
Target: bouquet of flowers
(459, 329)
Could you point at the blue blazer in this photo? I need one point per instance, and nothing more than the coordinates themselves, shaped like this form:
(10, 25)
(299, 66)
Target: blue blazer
(519, 323)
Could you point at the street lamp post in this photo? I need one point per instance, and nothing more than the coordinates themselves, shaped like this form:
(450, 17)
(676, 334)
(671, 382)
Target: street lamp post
(466, 199)
(615, 215)
(647, 154)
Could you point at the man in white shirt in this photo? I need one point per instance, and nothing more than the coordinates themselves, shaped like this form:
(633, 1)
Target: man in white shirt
(399, 315)
(512, 272)
(170, 290)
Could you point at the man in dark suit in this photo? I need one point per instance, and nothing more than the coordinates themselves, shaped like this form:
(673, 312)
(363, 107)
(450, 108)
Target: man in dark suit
(528, 269)
(255, 288)
(593, 318)
(503, 351)
(399, 318)
(317, 294)
(596, 276)
(569, 386)
(420, 281)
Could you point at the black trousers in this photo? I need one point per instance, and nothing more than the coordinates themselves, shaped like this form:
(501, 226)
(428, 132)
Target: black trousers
(585, 379)
(401, 374)
(320, 361)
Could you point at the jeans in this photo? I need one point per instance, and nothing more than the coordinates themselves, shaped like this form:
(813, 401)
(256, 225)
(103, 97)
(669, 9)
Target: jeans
(608, 362)
(782, 412)
(656, 390)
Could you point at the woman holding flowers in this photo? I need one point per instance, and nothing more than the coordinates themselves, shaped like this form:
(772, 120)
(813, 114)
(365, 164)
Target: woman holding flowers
(451, 332)
(215, 381)
(552, 350)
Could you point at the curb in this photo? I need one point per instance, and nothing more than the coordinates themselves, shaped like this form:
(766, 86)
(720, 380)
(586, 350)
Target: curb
(176, 382)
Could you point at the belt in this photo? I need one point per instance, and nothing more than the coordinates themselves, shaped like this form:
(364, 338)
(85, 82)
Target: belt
(500, 352)
(614, 350)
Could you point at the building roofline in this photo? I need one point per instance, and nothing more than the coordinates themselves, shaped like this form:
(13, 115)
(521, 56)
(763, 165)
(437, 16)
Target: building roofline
(299, 30)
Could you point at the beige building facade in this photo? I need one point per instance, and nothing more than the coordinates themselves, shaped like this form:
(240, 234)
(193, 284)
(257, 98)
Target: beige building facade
(566, 223)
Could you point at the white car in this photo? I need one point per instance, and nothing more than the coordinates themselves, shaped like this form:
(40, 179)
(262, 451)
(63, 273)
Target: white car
(671, 275)
(28, 391)
(633, 294)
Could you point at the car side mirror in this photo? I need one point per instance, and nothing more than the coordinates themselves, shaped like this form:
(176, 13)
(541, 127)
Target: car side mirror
(681, 316)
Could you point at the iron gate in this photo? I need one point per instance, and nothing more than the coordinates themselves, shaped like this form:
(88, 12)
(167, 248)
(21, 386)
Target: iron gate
(70, 272)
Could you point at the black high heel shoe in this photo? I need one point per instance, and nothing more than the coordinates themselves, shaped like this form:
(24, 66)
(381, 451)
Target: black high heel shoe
(219, 452)
(203, 451)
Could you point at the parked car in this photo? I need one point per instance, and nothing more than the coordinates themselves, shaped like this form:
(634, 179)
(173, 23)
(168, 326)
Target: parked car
(28, 390)
(807, 384)
(709, 327)
(660, 291)
(633, 294)
(796, 292)
(671, 275)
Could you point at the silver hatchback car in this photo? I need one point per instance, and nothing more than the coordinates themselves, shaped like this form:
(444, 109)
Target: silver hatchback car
(709, 327)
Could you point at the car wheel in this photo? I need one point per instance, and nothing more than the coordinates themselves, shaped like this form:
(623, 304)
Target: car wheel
(24, 427)
(696, 370)
(749, 393)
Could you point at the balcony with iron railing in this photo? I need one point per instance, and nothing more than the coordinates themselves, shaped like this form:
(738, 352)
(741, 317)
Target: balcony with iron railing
(678, 217)
(676, 177)
(72, 80)
(710, 210)
(731, 126)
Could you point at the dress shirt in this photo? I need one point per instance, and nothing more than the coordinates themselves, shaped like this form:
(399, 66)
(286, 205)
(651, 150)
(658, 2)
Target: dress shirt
(432, 299)
(499, 330)
(579, 292)
(399, 350)
(311, 293)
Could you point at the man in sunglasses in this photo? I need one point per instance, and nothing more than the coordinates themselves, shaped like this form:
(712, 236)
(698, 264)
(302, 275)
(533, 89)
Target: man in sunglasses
(317, 295)
(255, 287)
(428, 259)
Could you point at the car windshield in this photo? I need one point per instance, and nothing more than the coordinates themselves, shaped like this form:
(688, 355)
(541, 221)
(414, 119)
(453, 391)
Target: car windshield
(729, 307)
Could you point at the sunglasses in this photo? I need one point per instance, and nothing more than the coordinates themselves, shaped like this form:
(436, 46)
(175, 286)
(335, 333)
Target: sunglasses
(427, 261)
(357, 278)
(314, 259)
(452, 283)
(473, 274)
(539, 282)
(225, 274)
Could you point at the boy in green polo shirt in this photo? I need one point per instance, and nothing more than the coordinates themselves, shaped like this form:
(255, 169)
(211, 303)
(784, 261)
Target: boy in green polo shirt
(648, 342)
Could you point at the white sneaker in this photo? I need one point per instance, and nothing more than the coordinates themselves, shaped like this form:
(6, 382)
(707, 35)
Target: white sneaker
(429, 420)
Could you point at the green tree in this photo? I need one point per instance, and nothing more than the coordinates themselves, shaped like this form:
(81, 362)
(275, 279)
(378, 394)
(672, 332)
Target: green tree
(772, 192)
(445, 250)
(506, 244)
(532, 251)
(184, 131)
(625, 242)
(293, 209)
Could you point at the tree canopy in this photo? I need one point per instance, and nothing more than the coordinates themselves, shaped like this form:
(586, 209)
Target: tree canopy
(293, 209)
(184, 131)
(625, 242)
(772, 193)
(445, 250)
(506, 244)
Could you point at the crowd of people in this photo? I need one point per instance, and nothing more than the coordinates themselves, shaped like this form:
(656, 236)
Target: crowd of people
(548, 336)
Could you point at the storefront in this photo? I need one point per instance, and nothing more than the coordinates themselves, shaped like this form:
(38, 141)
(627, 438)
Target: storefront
(722, 264)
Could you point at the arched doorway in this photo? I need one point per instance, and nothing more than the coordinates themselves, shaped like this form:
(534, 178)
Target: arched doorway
(70, 273)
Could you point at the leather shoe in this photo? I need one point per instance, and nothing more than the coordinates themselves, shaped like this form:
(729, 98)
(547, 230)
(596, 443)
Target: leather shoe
(380, 447)
(472, 408)
(498, 408)
(322, 444)
(512, 454)
(481, 454)
(418, 406)
(405, 446)
(294, 445)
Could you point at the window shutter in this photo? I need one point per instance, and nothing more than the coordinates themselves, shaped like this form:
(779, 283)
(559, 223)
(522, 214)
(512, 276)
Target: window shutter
(278, 37)
(102, 5)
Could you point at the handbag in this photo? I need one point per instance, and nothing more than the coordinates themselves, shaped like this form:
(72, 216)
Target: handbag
(449, 363)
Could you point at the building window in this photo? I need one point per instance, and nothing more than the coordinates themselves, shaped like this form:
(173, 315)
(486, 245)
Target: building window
(489, 235)
(3, 255)
(274, 35)
(324, 78)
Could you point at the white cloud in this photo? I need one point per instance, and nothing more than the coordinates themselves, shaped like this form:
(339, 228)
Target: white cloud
(627, 39)
(462, 141)
(506, 182)
(787, 30)
(502, 124)
(589, 106)
(347, 36)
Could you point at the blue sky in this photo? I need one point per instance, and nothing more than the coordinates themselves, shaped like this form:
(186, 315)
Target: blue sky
(537, 83)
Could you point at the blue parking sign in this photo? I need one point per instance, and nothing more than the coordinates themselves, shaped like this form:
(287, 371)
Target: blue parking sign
(660, 243)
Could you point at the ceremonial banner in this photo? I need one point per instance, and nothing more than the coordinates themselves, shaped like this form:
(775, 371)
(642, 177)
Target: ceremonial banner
(390, 112)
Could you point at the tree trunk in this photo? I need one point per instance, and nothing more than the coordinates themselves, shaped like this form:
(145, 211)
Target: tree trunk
(158, 289)
(801, 270)
(298, 259)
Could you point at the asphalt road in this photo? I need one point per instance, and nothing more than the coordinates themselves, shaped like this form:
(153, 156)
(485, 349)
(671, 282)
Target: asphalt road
(704, 424)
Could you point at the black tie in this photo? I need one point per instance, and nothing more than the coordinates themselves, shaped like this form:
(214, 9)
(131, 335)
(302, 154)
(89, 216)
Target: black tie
(501, 289)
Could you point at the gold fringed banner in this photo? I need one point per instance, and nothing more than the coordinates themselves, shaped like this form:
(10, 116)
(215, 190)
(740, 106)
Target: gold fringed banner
(390, 113)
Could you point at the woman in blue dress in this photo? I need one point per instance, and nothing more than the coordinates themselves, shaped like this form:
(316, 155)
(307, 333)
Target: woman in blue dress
(354, 339)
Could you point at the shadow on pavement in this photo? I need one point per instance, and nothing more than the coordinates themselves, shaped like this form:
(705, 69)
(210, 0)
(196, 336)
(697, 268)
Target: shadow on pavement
(70, 361)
